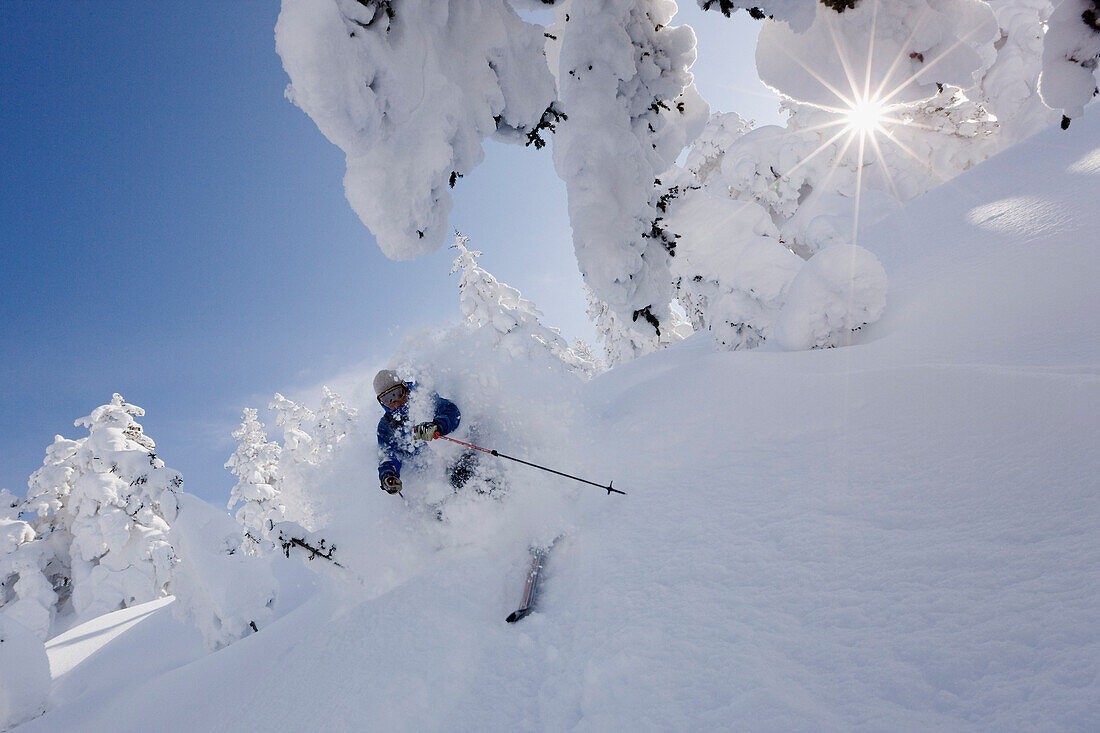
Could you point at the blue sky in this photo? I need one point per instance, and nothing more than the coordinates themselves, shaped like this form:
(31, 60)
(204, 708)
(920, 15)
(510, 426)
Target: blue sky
(172, 229)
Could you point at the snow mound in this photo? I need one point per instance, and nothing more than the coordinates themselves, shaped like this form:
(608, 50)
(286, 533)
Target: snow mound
(839, 290)
(24, 674)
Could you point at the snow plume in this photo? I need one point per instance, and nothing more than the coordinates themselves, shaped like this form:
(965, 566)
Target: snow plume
(487, 302)
(409, 90)
(1070, 54)
(524, 406)
(630, 107)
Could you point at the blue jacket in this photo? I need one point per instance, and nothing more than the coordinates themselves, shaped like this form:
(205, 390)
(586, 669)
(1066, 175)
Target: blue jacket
(395, 438)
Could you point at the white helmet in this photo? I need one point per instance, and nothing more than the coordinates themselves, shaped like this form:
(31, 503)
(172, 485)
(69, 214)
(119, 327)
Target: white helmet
(386, 379)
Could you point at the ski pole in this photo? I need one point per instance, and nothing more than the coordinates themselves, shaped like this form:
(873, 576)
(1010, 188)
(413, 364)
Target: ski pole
(498, 454)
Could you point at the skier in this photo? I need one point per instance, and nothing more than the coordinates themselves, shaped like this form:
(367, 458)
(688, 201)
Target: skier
(400, 440)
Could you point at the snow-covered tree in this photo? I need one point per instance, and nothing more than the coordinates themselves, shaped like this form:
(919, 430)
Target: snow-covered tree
(26, 593)
(296, 421)
(631, 107)
(488, 303)
(409, 90)
(122, 502)
(255, 463)
(886, 99)
(106, 525)
(1070, 57)
(1011, 86)
(797, 13)
(273, 481)
(732, 270)
(885, 103)
(334, 421)
(310, 438)
(99, 512)
(37, 575)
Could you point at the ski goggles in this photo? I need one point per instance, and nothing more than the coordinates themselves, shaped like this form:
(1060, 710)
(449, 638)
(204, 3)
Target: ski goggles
(394, 397)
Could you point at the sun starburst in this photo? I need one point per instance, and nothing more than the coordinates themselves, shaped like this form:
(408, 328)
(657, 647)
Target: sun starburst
(866, 114)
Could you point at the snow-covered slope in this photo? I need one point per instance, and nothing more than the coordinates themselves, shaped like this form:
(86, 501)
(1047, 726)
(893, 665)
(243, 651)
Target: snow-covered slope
(897, 535)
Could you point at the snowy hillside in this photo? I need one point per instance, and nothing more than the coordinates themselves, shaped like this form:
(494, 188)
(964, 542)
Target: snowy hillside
(896, 535)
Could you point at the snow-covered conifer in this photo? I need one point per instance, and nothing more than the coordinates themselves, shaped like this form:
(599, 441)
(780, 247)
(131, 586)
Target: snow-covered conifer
(731, 269)
(122, 502)
(296, 421)
(487, 302)
(631, 107)
(1071, 51)
(409, 91)
(886, 100)
(704, 160)
(797, 13)
(1010, 87)
(255, 463)
(26, 594)
(619, 337)
(334, 421)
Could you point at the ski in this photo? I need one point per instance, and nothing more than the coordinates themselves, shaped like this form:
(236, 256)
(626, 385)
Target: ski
(530, 589)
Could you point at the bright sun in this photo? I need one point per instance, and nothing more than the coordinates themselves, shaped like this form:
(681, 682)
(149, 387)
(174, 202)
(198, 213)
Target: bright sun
(865, 116)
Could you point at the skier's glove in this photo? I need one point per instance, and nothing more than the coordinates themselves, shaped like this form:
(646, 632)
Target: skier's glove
(425, 431)
(391, 484)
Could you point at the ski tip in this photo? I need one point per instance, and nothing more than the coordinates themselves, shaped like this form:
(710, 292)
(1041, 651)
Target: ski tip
(517, 615)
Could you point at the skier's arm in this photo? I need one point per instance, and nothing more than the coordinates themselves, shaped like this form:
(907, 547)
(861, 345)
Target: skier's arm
(387, 449)
(389, 467)
(447, 415)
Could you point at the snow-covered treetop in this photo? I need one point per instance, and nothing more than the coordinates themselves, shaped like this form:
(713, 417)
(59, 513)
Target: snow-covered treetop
(114, 426)
(13, 532)
(798, 13)
(53, 480)
(1070, 53)
(295, 420)
(487, 302)
(409, 91)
